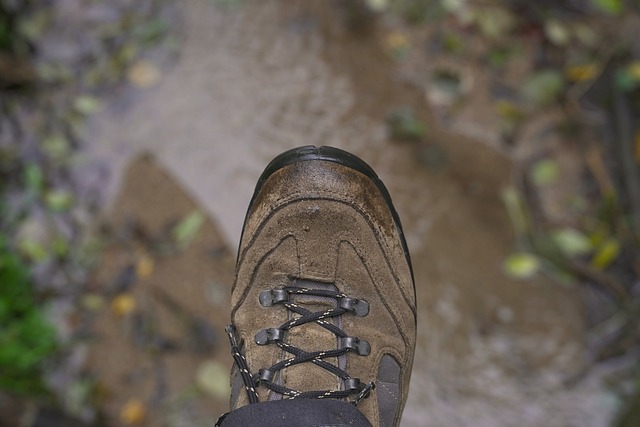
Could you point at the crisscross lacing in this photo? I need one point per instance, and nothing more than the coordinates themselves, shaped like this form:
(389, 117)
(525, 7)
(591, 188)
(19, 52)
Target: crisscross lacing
(344, 305)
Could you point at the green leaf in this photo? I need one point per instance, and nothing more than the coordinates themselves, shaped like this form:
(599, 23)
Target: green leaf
(625, 80)
(545, 172)
(33, 178)
(610, 7)
(572, 242)
(187, 229)
(87, 105)
(453, 43)
(56, 146)
(59, 200)
(33, 27)
(495, 22)
(213, 378)
(521, 265)
(60, 247)
(606, 254)
(378, 5)
(33, 250)
(543, 87)
(516, 209)
(557, 32)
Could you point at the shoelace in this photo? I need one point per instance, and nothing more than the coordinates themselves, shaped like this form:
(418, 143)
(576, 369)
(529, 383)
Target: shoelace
(344, 305)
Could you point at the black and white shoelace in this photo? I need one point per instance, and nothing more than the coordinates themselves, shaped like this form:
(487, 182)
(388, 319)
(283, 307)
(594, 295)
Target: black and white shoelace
(265, 377)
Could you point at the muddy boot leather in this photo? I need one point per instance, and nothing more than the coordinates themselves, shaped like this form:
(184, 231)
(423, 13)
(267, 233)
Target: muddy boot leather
(321, 222)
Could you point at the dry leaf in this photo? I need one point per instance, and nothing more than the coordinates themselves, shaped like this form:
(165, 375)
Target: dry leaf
(397, 40)
(606, 254)
(133, 412)
(582, 73)
(634, 70)
(123, 304)
(144, 74)
(398, 44)
(144, 266)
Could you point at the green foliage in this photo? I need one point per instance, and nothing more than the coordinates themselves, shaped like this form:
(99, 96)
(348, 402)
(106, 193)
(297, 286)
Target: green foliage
(610, 7)
(26, 339)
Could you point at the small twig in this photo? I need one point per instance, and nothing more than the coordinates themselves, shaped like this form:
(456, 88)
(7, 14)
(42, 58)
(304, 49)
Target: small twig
(630, 171)
(607, 281)
(598, 169)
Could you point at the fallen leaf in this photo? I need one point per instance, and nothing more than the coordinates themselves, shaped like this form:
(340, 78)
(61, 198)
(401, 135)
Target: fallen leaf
(515, 206)
(543, 87)
(509, 110)
(144, 74)
(586, 35)
(521, 265)
(187, 229)
(572, 242)
(34, 178)
(453, 43)
(33, 25)
(92, 302)
(398, 44)
(634, 70)
(133, 412)
(378, 5)
(494, 22)
(60, 247)
(213, 379)
(56, 146)
(606, 254)
(545, 172)
(144, 266)
(59, 200)
(33, 250)
(581, 73)
(610, 7)
(557, 32)
(87, 105)
(123, 304)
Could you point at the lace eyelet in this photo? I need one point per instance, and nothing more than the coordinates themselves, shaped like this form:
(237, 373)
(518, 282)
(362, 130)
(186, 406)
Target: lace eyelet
(359, 307)
(353, 384)
(267, 336)
(362, 347)
(264, 375)
(271, 297)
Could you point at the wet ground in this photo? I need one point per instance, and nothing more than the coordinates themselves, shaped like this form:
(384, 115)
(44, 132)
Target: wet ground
(259, 78)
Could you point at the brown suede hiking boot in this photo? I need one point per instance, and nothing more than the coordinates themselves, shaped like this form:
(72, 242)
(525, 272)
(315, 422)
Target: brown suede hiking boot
(323, 304)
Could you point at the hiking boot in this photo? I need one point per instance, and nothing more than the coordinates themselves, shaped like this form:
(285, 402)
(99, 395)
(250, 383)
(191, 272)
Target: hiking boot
(323, 304)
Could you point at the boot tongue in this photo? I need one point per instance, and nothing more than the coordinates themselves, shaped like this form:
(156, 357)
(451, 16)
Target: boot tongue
(312, 337)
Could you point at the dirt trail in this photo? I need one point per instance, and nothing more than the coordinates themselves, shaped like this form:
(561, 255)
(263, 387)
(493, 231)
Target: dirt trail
(254, 80)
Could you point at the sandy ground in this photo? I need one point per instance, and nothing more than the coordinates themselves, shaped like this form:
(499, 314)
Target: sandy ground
(255, 80)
